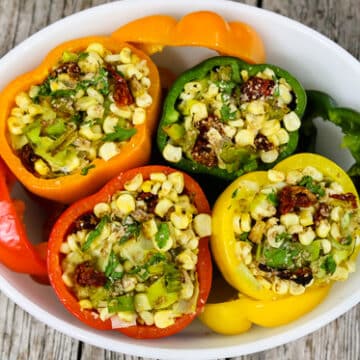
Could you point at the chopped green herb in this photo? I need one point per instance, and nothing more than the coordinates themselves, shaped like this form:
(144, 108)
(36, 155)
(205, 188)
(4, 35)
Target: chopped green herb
(82, 56)
(85, 170)
(95, 233)
(112, 264)
(272, 197)
(308, 182)
(329, 265)
(282, 237)
(121, 303)
(226, 87)
(244, 236)
(234, 193)
(226, 114)
(162, 235)
(63, 93)
(131, 230)
(120, 134)
(283, 257)
(172, 278)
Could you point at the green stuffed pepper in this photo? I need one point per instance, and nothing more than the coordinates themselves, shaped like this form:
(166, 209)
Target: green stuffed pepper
(225, 117)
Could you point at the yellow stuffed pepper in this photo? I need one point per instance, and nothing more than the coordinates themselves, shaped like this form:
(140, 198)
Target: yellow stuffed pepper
(281, 237)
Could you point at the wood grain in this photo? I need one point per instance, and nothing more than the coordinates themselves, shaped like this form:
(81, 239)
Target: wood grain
(24, 338)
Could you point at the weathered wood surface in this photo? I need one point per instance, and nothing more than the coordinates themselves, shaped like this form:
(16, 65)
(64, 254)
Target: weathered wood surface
(22, 337)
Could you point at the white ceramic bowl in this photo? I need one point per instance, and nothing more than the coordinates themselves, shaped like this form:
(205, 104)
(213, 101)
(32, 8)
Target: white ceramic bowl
(315, 60)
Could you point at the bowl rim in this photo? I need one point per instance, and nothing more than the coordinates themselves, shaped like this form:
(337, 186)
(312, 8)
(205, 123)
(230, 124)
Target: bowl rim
(139, 349)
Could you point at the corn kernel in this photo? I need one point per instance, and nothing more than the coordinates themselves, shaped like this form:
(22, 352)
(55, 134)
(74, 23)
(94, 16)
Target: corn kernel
(295, 229)
(307, 237)
(244, 75)
(15, 125)
(85, 304)
(123, 112)
(166, 187)
(289, 219)
(245, 137)
(293, 177)
(236, 123)
(91, 133)
(336, 187)
(108, 150)
(109, 124)
(147, 186)
(135, 183)
(158, 176)
(149, 228)
(65, 248)
(180, 221)
(163, 206)
(296, 289)
(128, 282)
(144, 100)
(125, 203)
(335, 231)
(336, 213)
(272, 235)
(269, 156)
(306, 218)
(163, 319)
(104, 314)
(202, 225)
(285, 94)
(95, 112)
(101, 209)
(125, 55)
(177, 180)
(187, 259)
(275, 175)
(322, 230)
(35, 109)
(172, 153)
(283, 136)
(97, 48)
(280, 287)
(139, 116)
(41, 167)
(245, 221)
(326, 246)
(23, 101)
(236, 225)
(270, 127)
(84, 103)
(291, 121)
(67, 280)
(198, 111)
(111, 58)
(256, 107)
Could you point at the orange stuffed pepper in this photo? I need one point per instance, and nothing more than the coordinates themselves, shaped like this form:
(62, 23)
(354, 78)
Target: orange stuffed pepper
(86, 113)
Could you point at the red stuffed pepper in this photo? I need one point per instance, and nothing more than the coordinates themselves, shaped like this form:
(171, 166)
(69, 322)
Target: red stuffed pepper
(134, 256)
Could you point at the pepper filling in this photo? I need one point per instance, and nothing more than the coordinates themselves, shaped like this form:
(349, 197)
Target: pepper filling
(86, 108)
(133, 259)
(232, 124)
(299, 230)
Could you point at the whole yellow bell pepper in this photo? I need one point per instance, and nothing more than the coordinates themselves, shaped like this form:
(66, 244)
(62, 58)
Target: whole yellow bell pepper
(241, 196)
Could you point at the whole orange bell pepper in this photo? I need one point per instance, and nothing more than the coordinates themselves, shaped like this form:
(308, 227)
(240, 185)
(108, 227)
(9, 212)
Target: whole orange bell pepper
(134, 152)
(200, 28)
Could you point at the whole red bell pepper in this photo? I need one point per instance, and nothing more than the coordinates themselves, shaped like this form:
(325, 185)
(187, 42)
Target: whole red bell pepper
(16, 251)
(65, 225)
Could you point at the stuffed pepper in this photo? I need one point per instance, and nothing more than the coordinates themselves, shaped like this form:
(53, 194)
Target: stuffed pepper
(293, 227)
(134, 256)
(86, 113)
(225, 117)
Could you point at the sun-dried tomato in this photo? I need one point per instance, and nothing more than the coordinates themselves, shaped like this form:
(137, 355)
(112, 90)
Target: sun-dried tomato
(71, 68)
(292, 197)
(28, 157)
(150, 199)
(85, 222)
(255, 88)
(86, 275)
(322, 212)
(261, 142)
(122, 94)
(348, 197)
